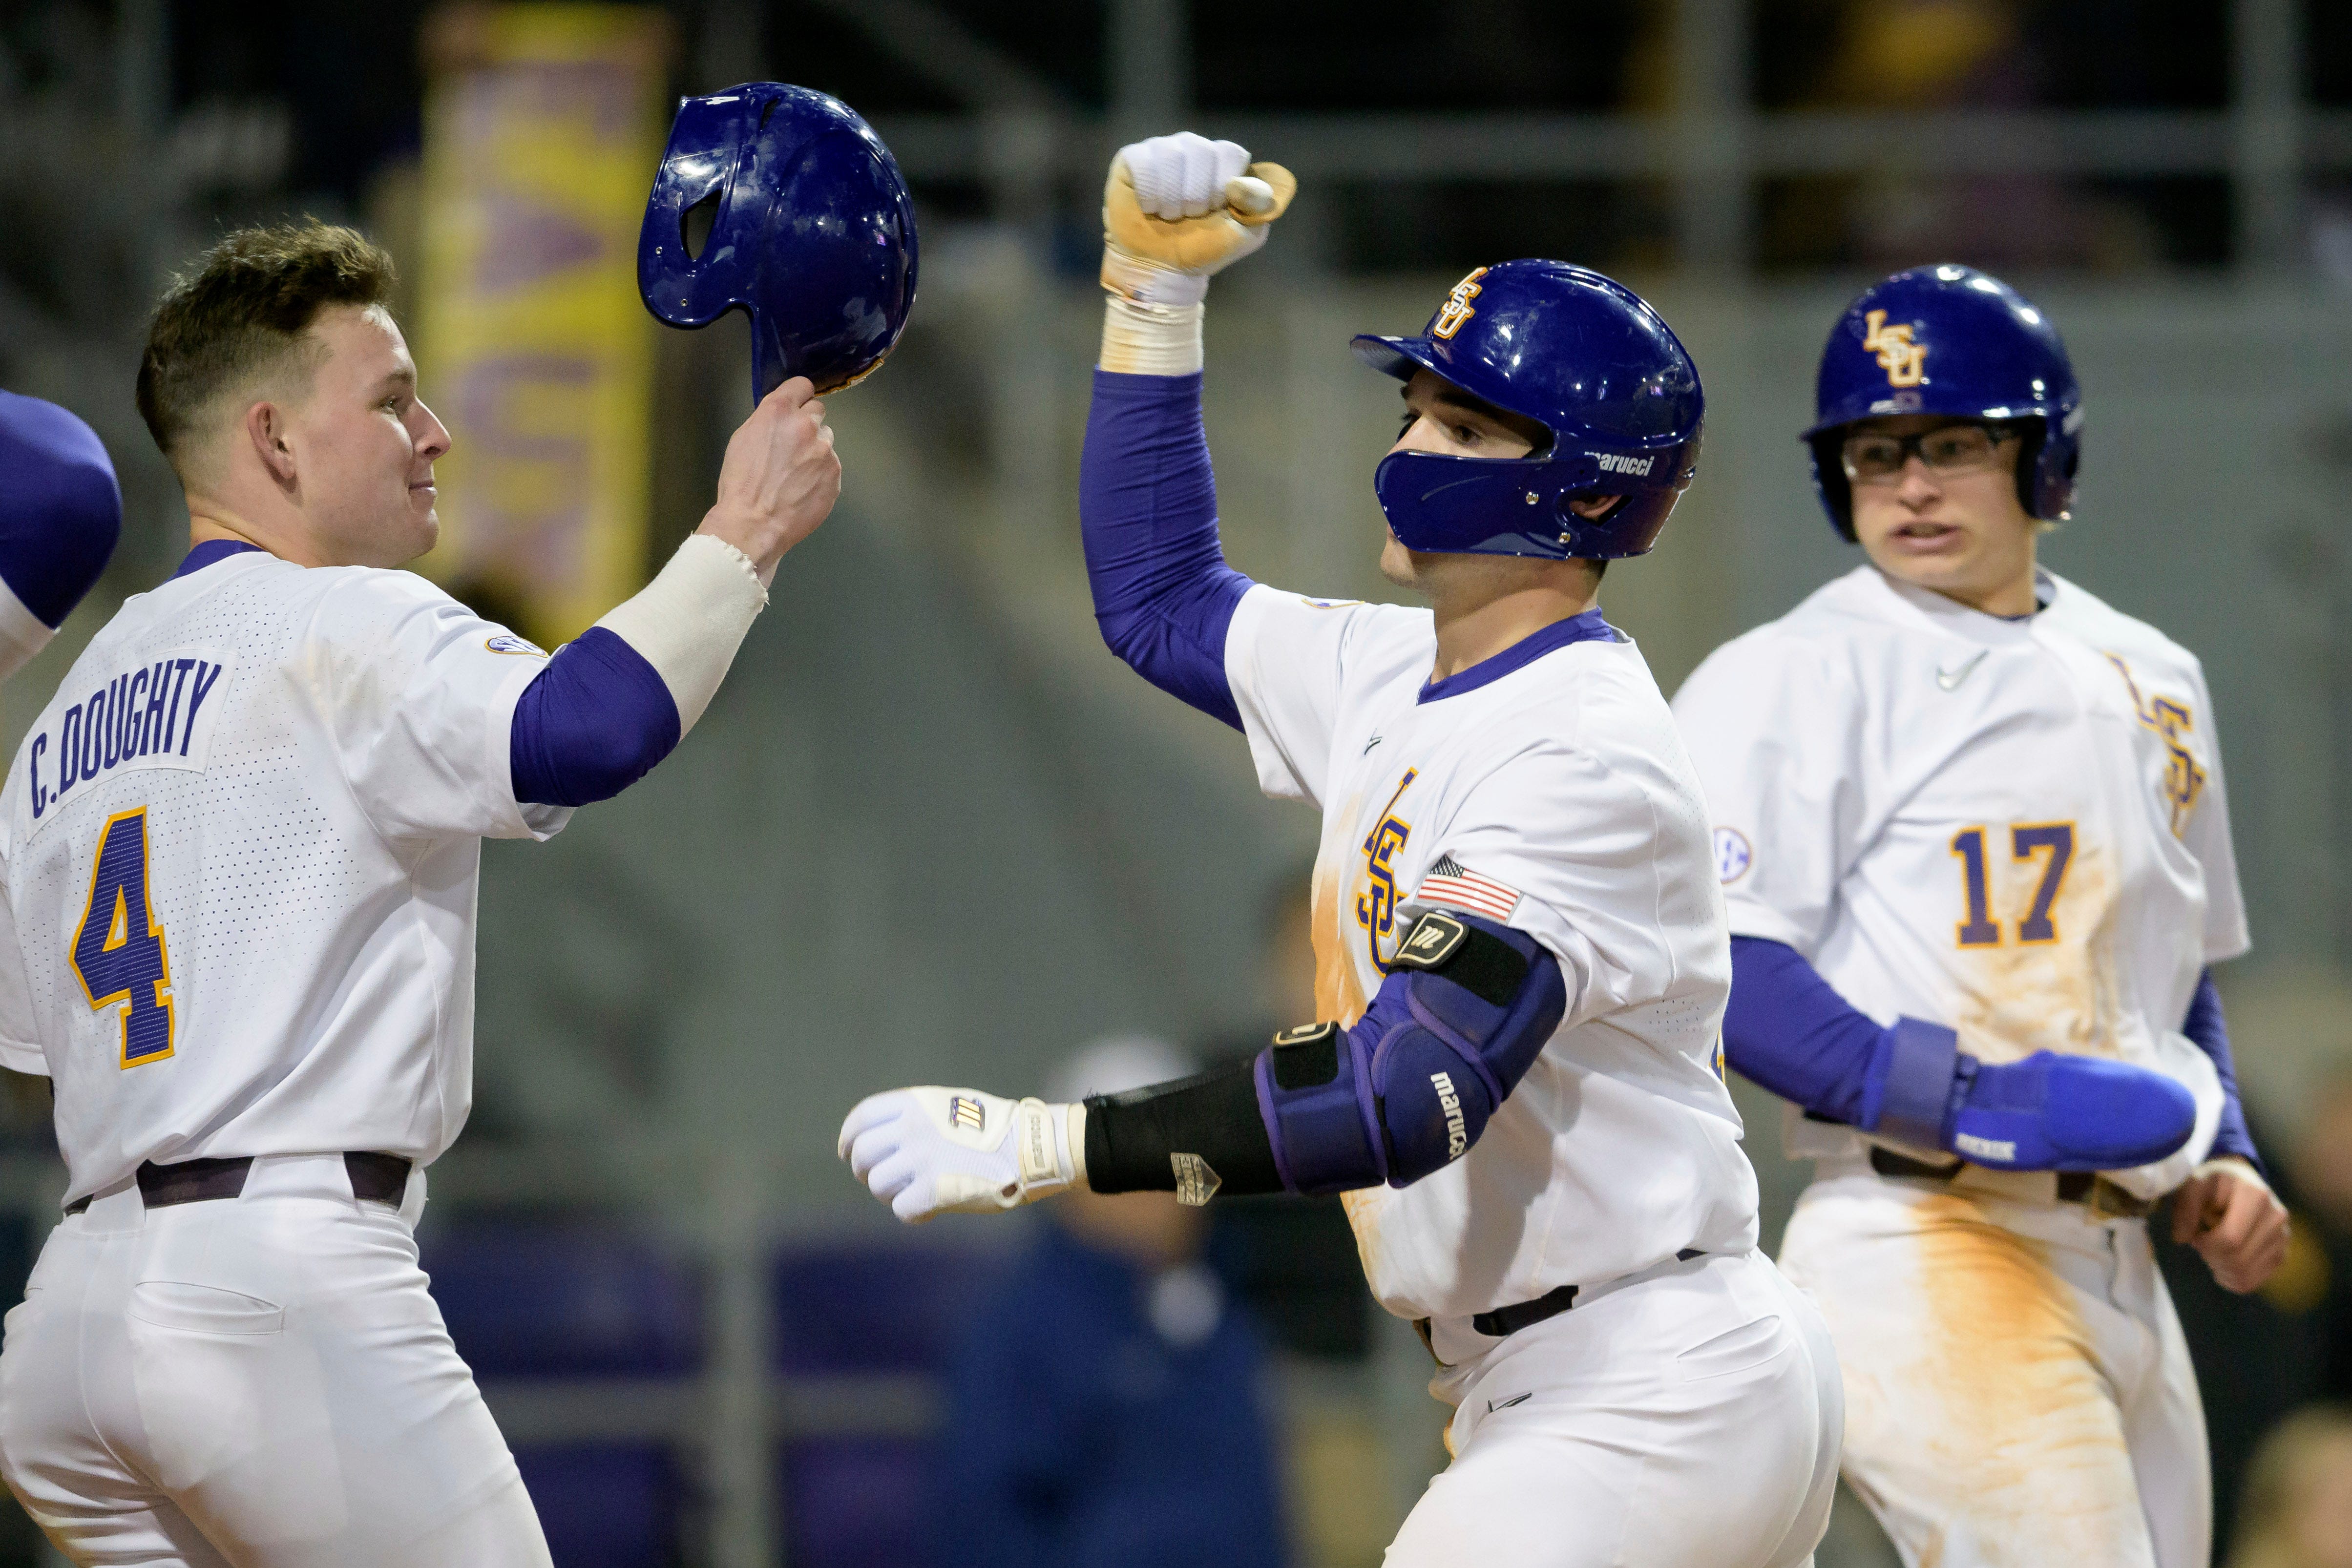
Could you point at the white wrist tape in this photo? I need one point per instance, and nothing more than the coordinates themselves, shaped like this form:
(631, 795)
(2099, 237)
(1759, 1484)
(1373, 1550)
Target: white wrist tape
(1151, 340)
(1147, 282)
(688, 621)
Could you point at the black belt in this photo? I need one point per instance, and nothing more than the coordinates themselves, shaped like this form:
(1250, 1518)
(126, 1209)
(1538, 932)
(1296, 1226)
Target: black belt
(1505, 1321)
(382, 1178)
(2092, 1190)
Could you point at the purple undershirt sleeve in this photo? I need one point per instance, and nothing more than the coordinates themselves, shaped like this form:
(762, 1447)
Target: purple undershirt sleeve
(2206, 1026)
(1164, 596)
(593, 723)
(60, 509)
(1788, 1029)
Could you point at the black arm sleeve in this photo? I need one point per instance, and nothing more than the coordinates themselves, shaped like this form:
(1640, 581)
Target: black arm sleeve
(1215, 1115)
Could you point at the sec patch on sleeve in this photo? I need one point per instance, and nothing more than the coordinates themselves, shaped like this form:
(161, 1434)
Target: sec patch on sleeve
(1732, 855)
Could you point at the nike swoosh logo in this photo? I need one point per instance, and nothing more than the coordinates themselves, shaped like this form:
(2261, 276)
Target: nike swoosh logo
(1950, 679)
(1494, 1405)
(1370, 743)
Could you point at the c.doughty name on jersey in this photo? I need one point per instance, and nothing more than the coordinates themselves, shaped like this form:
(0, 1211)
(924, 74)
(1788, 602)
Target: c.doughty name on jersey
(136, 719)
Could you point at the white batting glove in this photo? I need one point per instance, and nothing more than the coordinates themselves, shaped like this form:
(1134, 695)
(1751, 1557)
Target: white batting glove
(1177, 209)
(928, 1150)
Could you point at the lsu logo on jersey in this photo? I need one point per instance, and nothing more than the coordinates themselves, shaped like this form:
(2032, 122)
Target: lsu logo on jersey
(1904, 361)
(2184, 782)
(1457, 309)
(156, 715)
(1376, 905)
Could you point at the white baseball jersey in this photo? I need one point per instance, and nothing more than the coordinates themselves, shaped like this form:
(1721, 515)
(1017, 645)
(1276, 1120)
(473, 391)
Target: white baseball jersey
(2014, 828)
(1552, 795)
(241, 848)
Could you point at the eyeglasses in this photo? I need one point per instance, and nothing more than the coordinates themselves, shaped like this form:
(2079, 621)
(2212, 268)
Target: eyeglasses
(1874, 459)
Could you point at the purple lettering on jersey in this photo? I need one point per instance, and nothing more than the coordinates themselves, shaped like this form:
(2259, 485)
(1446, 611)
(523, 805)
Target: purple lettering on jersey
(137, 727)
(93, 732)
(173, 718)
(40, 797)
(196, 699)
(68, 753)
(151, 723)
(109, 746)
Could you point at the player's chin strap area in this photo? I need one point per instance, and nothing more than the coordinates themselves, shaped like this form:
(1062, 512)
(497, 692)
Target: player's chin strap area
(1467, 1008)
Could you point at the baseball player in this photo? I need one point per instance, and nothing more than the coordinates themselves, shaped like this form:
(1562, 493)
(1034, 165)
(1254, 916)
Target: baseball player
(239, 849)
(1972, 828)
(1522, 965)
(61, 513)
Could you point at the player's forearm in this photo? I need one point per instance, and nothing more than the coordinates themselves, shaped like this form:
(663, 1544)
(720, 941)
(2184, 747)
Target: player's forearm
(1404, 1093)
(614, 702)
(2210, 1032)
(1164, 596)
(1787, 1028)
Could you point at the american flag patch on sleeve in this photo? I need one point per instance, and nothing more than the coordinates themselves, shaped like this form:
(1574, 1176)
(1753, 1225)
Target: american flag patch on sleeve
(1452, 884)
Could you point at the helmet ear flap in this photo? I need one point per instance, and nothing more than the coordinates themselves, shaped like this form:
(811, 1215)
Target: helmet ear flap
(2033, 485)
(1830, 483)
(2045, 470)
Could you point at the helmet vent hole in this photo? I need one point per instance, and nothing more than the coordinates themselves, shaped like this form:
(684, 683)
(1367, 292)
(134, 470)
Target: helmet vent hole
(766, 109)
(694, 225)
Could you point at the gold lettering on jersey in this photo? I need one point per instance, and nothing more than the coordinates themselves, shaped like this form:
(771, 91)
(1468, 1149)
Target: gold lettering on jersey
(1376, 905)
(1904, 361)
(1457, 309)
(2184, 782)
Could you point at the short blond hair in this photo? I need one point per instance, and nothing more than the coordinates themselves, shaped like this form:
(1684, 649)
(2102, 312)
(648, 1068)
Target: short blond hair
(240, 316)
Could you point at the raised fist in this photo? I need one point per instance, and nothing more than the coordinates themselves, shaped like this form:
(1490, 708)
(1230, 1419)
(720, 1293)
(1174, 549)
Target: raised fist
(1177, 209)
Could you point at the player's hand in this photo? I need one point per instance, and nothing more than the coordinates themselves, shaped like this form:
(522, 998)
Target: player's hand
(928, 1150)
(2233, 1219)
(1179, 208)
(779, 479)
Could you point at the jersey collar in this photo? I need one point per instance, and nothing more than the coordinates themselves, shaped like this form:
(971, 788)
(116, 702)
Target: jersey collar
(211, 551)
(1925, 606)
(1586, 628)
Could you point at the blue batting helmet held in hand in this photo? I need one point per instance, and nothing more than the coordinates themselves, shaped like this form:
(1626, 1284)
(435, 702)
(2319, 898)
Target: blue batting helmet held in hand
(1586, 358)
(812, 233)
(1949, 340)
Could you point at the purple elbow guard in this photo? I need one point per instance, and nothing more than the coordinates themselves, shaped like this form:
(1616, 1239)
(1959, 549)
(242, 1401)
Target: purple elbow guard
(1465, 1011)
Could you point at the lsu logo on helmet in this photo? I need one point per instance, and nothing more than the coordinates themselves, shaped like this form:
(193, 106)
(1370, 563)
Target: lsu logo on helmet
(1904, 361)
(1457, 308)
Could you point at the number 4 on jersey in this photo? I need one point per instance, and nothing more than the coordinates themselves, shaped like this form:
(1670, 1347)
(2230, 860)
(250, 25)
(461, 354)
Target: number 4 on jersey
(119, 951)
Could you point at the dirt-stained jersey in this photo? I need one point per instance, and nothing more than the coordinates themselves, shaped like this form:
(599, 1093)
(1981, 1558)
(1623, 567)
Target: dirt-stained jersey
(2013, 827)
(241, 847)
(1550, 793)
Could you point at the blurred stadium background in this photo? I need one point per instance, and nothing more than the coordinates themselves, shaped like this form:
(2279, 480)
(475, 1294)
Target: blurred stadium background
(931, 831)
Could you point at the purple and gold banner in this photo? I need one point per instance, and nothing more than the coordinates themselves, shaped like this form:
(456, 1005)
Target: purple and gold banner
(543, 124)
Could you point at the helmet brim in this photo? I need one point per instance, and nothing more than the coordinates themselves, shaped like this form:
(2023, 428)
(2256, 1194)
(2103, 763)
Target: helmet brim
(1397, 357)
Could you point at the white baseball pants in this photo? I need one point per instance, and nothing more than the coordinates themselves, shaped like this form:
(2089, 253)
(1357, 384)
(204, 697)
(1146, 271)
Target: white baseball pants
(1685, 1418)
(260, 1382)
(2018, 1390)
